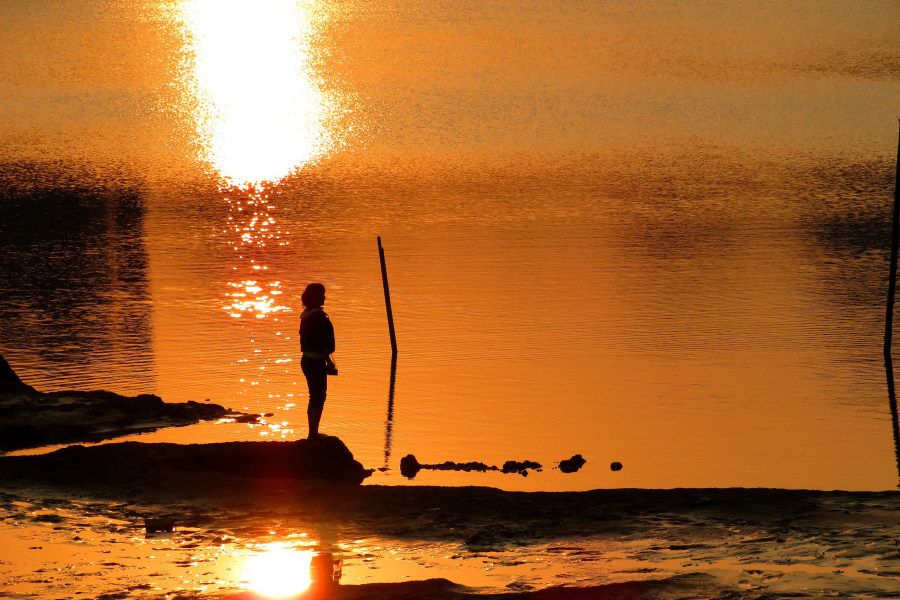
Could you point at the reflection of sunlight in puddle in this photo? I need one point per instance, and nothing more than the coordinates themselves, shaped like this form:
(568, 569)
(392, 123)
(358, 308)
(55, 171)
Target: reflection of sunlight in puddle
(279, 571)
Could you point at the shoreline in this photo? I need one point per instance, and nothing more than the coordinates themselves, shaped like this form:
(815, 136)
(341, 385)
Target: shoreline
(477, 516)
(32, 419)
(626, 542)
(639, 543)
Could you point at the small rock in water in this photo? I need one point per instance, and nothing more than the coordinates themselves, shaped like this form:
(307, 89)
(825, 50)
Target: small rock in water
(409, 466)
(163, 525)
(616, 466)
(512, 466)
(571, 465)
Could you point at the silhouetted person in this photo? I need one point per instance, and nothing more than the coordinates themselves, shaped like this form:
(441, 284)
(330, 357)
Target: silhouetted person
(317, 344)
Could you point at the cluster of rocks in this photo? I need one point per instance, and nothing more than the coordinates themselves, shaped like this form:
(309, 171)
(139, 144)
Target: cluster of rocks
(410, 467)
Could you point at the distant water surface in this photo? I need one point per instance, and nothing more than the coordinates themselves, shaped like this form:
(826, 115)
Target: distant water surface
(652, 233)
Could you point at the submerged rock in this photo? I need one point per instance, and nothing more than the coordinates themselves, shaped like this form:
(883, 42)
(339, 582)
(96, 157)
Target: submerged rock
(324, 458)
(571, 465)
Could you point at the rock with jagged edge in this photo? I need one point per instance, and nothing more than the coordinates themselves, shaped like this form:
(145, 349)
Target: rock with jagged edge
(325, 458)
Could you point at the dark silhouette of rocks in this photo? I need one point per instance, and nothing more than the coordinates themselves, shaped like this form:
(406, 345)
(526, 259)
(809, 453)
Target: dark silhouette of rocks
(521, 468)
(29, 418)
(571, 465)
(132, 463)
(616, 466)
(410, 467)
(10, 382)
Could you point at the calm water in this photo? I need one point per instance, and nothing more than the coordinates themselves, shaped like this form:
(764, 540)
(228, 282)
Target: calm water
(653, 233)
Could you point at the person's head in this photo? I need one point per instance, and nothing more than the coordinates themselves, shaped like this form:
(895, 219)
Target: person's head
(313, 296)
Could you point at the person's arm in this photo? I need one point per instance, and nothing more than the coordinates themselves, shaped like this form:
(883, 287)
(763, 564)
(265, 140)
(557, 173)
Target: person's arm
(328, 337)
(328, 344)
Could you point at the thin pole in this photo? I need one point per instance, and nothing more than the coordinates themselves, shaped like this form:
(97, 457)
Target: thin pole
(389, 424)
(892, 280)
(892, 402)
(390, 313)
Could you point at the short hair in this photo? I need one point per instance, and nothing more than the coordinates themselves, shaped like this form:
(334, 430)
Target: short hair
(313, 296)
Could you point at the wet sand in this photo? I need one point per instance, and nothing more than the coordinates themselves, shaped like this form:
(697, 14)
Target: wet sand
(680, 586)
(680, 543)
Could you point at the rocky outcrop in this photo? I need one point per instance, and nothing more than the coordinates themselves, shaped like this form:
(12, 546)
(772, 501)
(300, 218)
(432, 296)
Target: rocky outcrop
(10, 382)
(29, 418)
(324, 458)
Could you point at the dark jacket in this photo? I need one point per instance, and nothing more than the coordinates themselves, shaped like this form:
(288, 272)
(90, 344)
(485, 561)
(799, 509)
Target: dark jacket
(316, 332)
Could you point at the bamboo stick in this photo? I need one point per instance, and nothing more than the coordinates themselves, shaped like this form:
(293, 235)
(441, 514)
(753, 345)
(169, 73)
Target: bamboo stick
(892, 279)
(387, 298)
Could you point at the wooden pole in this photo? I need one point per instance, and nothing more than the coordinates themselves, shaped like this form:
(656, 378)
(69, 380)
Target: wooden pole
(892, 279)
(892, 402)
(389, 424)
(387, 297)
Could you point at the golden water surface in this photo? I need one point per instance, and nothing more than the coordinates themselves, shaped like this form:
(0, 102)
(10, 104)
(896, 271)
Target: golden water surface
(652, 233)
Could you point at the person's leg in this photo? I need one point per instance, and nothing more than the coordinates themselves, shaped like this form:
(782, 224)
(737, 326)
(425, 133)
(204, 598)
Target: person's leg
(314, 415)
(317, 382)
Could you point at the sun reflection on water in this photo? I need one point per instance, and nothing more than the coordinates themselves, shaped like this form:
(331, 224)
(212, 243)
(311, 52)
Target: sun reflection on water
(258, 114)
(279, 571)
(249, 299)
(259, 110)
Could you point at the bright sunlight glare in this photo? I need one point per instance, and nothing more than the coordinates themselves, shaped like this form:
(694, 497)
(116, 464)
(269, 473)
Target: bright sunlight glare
(259, 109)
(279, 571)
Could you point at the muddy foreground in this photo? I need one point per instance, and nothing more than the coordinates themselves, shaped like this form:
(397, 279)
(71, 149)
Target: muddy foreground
(683, 543)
